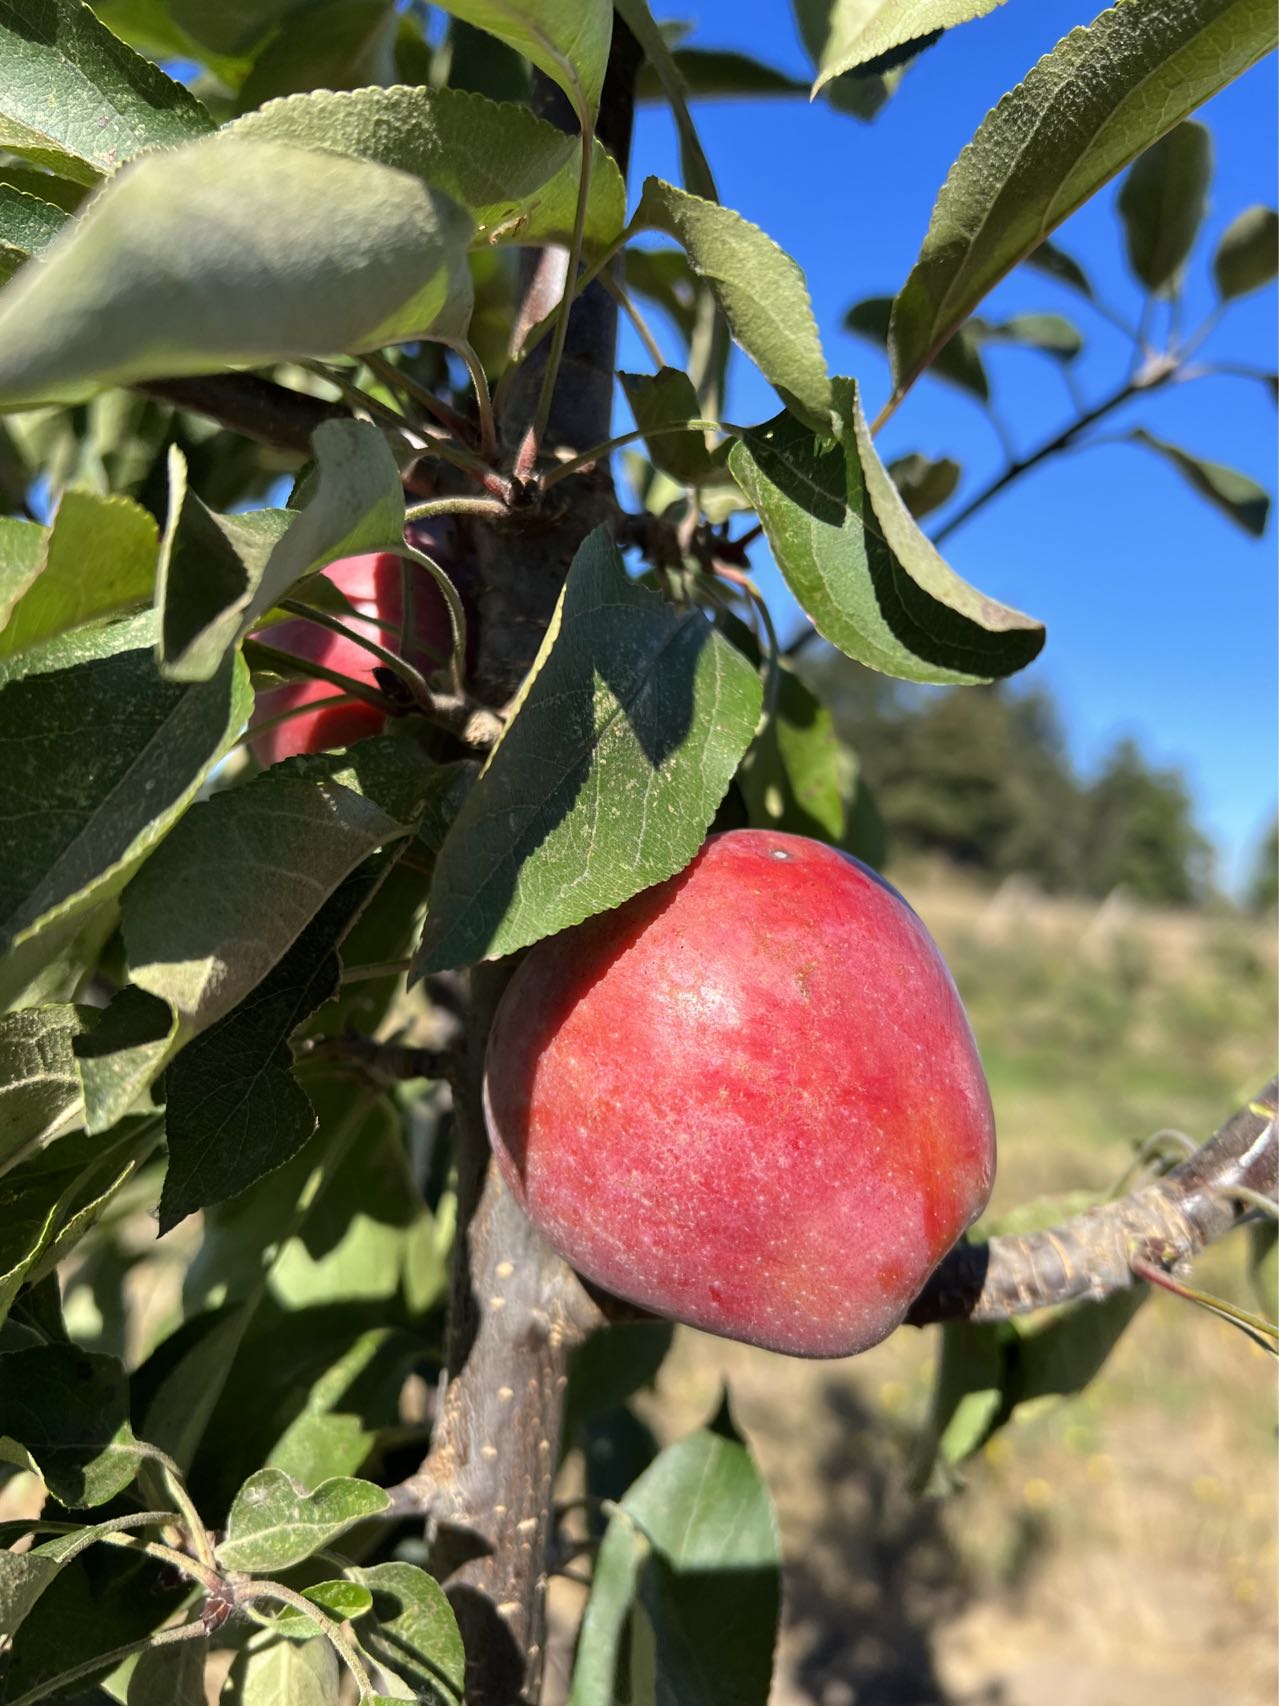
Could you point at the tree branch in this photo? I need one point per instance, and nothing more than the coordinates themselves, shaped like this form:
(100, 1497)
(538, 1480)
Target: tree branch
(1091, 1256)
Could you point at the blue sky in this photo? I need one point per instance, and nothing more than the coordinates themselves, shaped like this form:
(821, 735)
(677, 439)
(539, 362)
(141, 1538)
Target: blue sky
(1161, 616)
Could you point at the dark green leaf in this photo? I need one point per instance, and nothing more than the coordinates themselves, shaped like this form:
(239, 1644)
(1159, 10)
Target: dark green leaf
(515, 174)
(232, 252)
(331, 44)
(94, 791)
(800, 777)
(176, 1389)
(170, 1676)
(235, 885)
(76, 99)
(721, 73)
(968, 1395)
(659, 402)
(210, 566)
(924, 485)
(567, 39)
(760, 289)
(64, 1412)
(1054, 262)
(959, 361)
(703, 1508)
(39, 1085)
(1248, 254)
(413, 1634)
(98, 559)
(274, 1522)
(1238, 498)
(1054, 334)
(606, 778)
(1105, 92)
(611, 1366)
(869, 580)
(1162, 203)
(1263, 1265)
(234, 1111)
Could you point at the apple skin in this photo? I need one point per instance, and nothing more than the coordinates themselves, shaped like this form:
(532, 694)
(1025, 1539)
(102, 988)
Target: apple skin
(373, 585)
(748, 1099)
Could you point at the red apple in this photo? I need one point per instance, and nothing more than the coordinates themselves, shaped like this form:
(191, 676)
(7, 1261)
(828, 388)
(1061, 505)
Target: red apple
(748, 1099)
(373, 585)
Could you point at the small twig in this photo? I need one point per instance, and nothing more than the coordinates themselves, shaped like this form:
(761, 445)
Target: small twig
(624, 301)
(288, 663)
(392, 1062)
(1256, 1327)
(277, 1592)
(493, 508)
(483, 400)
(435, 406)
(413, 679)
(308, 709)
(457, 612)
(598, 452)
(177, 1490)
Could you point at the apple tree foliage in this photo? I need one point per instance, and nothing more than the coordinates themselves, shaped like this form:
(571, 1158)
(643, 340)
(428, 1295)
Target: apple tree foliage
(266, 300)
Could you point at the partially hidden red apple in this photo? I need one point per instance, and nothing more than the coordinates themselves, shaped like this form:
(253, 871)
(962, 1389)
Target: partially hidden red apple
(373, 585)
(749, 1099)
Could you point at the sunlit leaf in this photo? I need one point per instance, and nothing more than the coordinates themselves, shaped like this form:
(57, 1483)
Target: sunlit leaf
(761, 290)
(232, 252)
(567, 39)
(274, 1522)
(1105, 93)
(413, 1633)
(869, 580)
(74, 98)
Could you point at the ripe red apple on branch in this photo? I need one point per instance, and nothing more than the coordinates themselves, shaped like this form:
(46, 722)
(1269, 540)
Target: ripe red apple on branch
(748, 1099)
(373, 584)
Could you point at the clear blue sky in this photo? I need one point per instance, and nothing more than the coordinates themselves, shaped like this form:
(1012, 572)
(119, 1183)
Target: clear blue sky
(1161, 616)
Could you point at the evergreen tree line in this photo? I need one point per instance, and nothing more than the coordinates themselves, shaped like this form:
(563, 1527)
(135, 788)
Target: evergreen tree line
(982, 777)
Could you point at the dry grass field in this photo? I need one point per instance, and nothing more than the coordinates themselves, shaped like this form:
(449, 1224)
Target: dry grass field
(1116, 1549)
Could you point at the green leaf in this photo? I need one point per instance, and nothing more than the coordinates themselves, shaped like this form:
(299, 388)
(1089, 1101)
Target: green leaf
(24, 1576)
(98, 559)
(514, 173)
(1054, 334)
(924, 485)
(353, 503)
(1248, 254)
(76, 99)
(760, 289)
(1162, 203)
(704, 1510)
(959, 361)
(860, 31)
(170, 1676)
(869, 580)
(22, 547)
(567, 39)
(1263, 1265)
(34, 180)
(27, 227)
(49, 1202)
(122, 1054)
(413, 1633)
(1239, 498)
(95, 791)
(329, 44)
(340, 1599)
(608, 775)
(234, 1111)
(1054, 262)
(284, 1673)
(232, 253)
(659, 402)
(800, 777)
(719, 73)
(197, 1356)
(39, 1084)
(210, 565)
(274, 1522)
(861, 93)
(1097, 100)
(64, 1412)
(968, 1395)
(235, 885)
